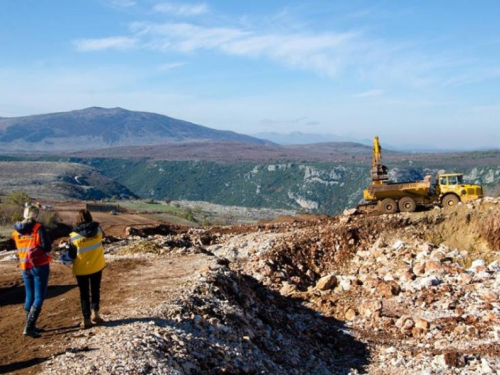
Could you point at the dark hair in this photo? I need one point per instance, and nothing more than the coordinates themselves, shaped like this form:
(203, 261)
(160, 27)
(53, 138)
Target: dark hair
(83, 217)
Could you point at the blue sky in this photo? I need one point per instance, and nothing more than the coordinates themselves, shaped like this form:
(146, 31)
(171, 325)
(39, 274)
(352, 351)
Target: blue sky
(412, 72)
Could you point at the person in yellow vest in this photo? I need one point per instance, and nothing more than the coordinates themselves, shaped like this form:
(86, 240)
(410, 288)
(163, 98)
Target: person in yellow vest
(87, 251)
(33, 249)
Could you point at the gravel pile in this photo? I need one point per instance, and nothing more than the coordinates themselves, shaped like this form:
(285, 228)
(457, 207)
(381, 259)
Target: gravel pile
(333, 295)
(424, 307)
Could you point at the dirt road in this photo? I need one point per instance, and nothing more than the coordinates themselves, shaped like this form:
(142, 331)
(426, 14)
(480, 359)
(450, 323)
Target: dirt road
(113, 225)
(61, 313)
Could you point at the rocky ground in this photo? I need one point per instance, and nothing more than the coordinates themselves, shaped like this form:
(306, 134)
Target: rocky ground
(406, 293)
(233, 214)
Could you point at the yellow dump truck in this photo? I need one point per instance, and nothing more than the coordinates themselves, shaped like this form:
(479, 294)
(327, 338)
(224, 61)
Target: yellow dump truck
(387, 197)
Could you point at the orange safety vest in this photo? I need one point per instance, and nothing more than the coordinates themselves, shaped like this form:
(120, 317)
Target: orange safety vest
(27, 244)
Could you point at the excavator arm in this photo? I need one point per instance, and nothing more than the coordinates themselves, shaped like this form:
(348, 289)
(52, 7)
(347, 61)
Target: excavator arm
(377, 152)
(378, 171)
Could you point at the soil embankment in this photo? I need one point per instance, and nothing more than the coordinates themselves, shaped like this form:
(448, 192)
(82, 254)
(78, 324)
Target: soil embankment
(405, 293)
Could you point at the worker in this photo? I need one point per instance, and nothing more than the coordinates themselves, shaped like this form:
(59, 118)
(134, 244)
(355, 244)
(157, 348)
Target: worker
(87, 251)
(33, 249)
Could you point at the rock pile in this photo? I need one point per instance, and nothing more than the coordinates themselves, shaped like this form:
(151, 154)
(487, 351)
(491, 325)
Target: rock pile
(386, 294)
(423, 305)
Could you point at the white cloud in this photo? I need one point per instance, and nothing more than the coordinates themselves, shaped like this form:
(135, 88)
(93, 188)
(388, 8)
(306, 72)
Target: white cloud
(170, 66)
(181, 10)
(369, 93)
(122, 3)
(185, 37)
(319, 53)
(116, 43)
(354, 55)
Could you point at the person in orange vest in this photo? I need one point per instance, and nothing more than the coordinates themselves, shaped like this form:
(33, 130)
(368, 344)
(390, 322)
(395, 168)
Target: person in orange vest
(33, 249)
(88, 253)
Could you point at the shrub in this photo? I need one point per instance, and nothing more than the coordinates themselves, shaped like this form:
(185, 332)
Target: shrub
(49, 219)
(189, 215)
(9, 214)
(17, 198)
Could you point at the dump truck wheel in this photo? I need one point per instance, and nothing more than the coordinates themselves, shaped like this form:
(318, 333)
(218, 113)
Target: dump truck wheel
(388, 206)
(407, 204)
(450, 200)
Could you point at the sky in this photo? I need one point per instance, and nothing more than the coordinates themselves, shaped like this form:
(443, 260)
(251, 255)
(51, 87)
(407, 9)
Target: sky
(412, 72)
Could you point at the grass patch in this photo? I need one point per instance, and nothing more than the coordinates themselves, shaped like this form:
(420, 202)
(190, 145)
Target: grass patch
(162, 210)
(149, 207)
(6, 231)
(144, 247)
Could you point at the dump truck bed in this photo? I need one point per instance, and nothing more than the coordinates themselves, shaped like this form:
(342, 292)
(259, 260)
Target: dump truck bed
(419, 190)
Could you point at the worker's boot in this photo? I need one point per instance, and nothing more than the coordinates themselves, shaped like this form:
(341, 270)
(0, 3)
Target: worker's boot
(96, 318)
(27, 312)
(32, 317)
(87, 323)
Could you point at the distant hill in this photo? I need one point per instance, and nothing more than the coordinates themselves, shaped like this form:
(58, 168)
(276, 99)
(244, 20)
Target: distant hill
(95, 127)
(299, 138)
(58, 181)
(230, 152)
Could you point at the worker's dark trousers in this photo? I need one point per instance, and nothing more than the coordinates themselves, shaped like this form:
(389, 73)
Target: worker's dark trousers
(89, 285)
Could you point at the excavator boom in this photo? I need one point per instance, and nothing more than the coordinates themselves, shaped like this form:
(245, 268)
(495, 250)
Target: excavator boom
(378, 171)
(377, 152)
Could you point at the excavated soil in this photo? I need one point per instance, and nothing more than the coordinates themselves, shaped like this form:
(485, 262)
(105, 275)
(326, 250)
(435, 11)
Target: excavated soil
(406, 293)
(127, 284)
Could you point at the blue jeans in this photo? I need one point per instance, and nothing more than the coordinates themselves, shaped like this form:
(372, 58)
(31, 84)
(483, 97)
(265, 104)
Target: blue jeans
(36, 281)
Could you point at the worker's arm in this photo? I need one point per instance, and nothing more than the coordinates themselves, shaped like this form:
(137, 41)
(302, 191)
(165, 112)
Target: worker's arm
(45, 241)
(72, 250)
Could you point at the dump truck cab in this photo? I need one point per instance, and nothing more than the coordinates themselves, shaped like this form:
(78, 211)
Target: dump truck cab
(451, 189)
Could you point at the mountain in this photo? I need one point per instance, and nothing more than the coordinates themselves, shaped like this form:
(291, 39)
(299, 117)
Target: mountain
(95, 127)
(299, 138)
(58, 181)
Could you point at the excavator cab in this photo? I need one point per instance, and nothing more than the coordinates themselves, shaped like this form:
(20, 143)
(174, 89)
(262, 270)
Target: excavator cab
(379, 173)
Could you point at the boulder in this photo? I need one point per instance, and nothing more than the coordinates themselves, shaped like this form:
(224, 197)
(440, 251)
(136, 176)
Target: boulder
(388, 289)
(422, 323)
(433, 265)
(327, 282)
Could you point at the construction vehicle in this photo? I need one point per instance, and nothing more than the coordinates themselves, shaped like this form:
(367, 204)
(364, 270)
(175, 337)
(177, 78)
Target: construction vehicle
(389, 197)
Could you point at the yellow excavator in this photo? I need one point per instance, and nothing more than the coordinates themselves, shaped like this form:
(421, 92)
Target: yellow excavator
(389, 197)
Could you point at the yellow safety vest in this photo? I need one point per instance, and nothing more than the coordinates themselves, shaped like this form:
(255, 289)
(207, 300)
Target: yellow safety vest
(90, 253)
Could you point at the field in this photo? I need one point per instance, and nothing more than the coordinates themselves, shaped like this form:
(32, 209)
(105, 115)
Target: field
(150, 212)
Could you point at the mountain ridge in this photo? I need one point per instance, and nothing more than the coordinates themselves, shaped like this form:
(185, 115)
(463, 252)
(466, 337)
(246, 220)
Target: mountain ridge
(97, 127)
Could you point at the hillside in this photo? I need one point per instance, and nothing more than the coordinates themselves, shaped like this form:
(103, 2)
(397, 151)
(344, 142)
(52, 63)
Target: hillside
(251, 179)
(231, 152)
(58, 181)
(93, 128)
(298, 138)
(400, 294)
(312, 186)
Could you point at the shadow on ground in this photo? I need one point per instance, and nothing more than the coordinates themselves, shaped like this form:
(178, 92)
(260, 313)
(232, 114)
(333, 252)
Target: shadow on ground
(17, 366)
(15, 294)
